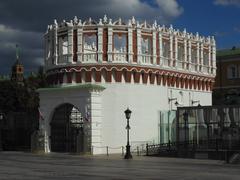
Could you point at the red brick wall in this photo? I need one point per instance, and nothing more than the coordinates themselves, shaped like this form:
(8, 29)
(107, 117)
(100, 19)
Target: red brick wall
(134, 35)
(75, 45)
(105, 44)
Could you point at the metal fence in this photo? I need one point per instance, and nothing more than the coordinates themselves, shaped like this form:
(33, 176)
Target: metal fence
(209, 129)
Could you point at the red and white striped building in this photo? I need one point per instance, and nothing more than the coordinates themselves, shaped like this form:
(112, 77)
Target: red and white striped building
(106, 66)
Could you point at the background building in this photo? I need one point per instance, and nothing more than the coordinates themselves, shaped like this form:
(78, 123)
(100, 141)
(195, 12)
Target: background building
(98, 69)
(227, 86)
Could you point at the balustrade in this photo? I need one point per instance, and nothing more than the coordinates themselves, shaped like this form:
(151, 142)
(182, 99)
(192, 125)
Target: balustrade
(166, 61)
(90, 57)
(205, 69)
(90, 45)
(119, 57)
(63, 59)
(146, 59)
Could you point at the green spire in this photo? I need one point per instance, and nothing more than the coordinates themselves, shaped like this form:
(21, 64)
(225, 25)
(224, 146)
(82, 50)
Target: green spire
(17, 51)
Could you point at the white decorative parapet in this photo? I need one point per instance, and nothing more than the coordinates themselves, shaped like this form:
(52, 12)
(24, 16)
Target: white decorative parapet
(62, 59)
(119, 57)
(90, 57)
(108, 41)
(146, 59)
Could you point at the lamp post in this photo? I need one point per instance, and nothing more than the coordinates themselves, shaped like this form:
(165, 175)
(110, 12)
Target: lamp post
(128, 154)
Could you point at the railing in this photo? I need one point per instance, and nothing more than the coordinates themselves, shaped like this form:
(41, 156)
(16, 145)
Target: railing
(90, 57)
(62, 59)
(119, 57)
(205, 69)
(180, 65)
(193, 146)
(146, 59)
(166, 61)
(108, 150)
(191, 66)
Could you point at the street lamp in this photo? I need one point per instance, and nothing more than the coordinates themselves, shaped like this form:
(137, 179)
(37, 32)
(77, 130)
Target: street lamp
(128, 154)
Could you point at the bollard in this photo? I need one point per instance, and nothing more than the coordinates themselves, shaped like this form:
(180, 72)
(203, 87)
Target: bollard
(107, 150)
(122, 151)
(147, 149)
(138, 151)
(169, 147)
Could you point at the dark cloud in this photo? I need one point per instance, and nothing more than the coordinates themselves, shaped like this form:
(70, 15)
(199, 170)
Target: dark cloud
(25, 21)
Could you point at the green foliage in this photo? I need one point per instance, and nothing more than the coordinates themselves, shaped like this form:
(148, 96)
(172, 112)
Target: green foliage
(16, 97)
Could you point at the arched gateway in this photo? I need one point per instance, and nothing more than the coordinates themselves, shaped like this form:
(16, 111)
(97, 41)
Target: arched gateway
(70, 131)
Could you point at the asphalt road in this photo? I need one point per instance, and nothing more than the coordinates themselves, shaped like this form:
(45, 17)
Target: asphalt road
(25, 166)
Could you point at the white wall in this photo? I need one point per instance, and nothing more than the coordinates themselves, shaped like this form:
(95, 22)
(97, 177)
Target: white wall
(145, 101)
(107, 111)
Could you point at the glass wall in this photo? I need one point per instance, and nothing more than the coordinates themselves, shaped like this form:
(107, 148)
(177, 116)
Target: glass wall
(208, 124)
(167, 127)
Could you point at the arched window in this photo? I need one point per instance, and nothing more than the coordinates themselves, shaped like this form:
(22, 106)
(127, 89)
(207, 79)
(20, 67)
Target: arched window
(232, 71)
(180, 53)
(166, 48)
(146, 43)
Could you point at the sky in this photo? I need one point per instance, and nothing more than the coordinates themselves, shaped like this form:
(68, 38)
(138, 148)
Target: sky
(24, 22)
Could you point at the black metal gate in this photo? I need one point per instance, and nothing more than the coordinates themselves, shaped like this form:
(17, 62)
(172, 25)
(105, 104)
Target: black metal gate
(66, 135)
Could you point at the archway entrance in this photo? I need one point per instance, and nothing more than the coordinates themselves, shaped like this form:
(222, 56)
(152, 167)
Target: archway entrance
(70, 131)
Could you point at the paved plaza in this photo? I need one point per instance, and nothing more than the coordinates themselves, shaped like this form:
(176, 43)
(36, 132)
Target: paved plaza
(24, 166)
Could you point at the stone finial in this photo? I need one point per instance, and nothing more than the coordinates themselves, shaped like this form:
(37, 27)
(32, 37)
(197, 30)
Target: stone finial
(110, 21)
(197, 35)
(120, 21)
(155, 24)
(208, 39)
(138, 25)
(133, 20)
(75, 20)
(90, 20)
(213, 40)
(184, 31)
(80, 22)
(100, 21)
(129, 22)
(105, 18)
(55, 22)
(70, 24)
(145, 24)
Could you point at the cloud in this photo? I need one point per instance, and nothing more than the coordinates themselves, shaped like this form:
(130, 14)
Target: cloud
(25, 21)
(35, 15)
(30, 48)
(236, 29)
(227, 2)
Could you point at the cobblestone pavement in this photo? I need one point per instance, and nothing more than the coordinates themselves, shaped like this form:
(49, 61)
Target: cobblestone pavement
(25, 166)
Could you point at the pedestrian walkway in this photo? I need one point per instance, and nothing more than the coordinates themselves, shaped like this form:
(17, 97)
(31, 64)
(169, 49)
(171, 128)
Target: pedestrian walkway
(20, 165)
